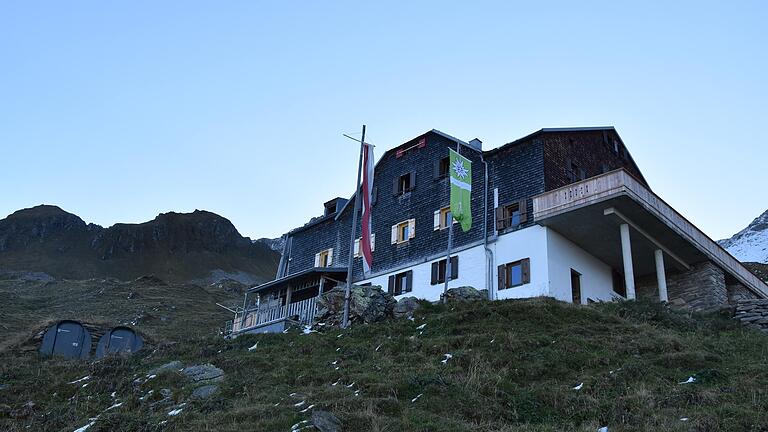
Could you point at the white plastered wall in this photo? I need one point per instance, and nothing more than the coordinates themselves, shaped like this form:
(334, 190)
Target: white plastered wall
(471, 273)
(564, 255)
(528, 243)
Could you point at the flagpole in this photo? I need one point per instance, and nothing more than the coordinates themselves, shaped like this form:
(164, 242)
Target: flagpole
(351, 261)
(448, 269)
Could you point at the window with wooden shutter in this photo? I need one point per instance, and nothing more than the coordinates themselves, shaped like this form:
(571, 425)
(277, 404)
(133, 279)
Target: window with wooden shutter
(404, 183)
(324, 258)
(440, 168)
(512, 214)
(441, 218)
(522, 207)
(358, 250)
(439, 270)
(403, 231)
(514, 274)
(401, 283)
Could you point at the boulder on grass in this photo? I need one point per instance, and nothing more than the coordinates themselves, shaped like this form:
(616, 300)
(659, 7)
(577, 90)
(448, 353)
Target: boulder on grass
(405, 307)
(326, 422)
(366, 304)
(462, 294)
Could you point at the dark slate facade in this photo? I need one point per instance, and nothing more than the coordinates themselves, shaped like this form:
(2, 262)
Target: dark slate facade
(520, 170)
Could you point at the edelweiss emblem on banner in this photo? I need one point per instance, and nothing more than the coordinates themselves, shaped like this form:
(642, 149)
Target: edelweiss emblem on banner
(458, 168)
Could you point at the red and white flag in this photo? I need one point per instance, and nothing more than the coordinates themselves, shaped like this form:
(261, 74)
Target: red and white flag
(367, 189)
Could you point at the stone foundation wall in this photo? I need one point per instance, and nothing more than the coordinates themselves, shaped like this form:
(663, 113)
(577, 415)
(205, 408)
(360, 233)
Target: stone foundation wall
(753, 313)
(738, 292)
(700, 288)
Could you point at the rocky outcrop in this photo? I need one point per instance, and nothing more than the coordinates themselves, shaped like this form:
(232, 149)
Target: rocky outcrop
(461, 294)
(405, 307)
(326, 422)
(203, 373)
(177, 247)
(367, 304)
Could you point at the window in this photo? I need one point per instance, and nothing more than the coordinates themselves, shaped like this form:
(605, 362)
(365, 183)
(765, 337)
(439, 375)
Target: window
(358, 252)
(514, 274)
(403, 231)
(438, 270)
(404, 183)
(511, 215)
(401, 283)
(575, 172)
(441, 167)
(324, 258)
(441, 218)
(616, 146)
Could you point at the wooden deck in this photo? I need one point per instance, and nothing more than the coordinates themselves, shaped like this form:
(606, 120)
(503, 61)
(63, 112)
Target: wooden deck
(271, 312)
(620, 183)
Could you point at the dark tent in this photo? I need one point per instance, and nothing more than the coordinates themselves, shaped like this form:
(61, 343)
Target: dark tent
(119, 340)
(68, 339)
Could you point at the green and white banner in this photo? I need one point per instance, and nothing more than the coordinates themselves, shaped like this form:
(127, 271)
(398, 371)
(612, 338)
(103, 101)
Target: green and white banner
(461, 189)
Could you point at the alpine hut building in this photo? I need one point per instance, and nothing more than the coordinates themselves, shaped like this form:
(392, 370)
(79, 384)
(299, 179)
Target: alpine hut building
(564, 213)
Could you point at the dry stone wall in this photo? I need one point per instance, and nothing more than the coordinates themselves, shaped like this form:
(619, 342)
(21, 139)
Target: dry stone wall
(753, 313)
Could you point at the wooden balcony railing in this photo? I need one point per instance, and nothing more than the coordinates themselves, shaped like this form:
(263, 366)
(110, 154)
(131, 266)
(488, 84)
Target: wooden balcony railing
(267, 313)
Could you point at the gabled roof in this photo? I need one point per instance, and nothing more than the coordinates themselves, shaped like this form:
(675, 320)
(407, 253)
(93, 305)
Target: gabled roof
(394, 149)
(569, 129)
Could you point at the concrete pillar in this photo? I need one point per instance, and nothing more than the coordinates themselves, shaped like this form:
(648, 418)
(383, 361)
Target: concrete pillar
(661, 276)
(626, 253)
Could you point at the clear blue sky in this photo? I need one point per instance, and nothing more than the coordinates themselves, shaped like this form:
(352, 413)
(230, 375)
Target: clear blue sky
(117, 111)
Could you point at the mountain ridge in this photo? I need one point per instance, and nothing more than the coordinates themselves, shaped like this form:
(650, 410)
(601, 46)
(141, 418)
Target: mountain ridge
(751, 243)
(177, 247)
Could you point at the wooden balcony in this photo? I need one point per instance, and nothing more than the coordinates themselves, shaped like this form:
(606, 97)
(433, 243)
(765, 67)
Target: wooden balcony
(269, 313)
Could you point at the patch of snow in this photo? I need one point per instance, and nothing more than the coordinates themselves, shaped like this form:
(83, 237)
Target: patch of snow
(751, 243)
(417, 397)
(307, 409)
(336, 383)
(113, 395)
(690, 380)
(683, 419)
(351, 385)
(117, 405)
(85, 428)
(87, 377)
(493, 340)
(421, 327)
(578, 387)
(298, 404)
(603, 429)
(177, 411)
(254, 347)
(149, 377)
(377, 348)
(308, 330)
(298, 426)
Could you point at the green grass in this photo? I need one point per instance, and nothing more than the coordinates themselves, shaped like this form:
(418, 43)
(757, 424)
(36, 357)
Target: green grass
(514, 367)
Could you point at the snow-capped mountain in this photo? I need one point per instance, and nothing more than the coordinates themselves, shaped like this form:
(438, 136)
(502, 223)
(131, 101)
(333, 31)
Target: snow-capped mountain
(275, 244)
(751, 243)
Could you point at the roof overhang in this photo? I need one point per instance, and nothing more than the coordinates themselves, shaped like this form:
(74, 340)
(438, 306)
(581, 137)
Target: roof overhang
(590, 212)
(302, 278)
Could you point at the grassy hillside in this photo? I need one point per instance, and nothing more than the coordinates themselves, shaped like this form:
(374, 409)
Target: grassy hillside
(169, 312)
(514, 367)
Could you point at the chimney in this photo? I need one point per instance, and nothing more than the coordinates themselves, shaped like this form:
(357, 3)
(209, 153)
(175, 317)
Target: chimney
(476, 144)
